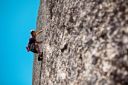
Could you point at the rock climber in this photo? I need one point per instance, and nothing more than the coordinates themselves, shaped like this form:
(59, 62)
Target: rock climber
(33, 44)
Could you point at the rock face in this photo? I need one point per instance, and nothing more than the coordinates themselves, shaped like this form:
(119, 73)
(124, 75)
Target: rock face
(85, 42)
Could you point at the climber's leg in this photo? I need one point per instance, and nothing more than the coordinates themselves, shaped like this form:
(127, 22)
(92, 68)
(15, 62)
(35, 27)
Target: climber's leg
(40, 56)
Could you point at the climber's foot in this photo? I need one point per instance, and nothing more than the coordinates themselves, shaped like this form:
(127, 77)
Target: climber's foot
(40, 58)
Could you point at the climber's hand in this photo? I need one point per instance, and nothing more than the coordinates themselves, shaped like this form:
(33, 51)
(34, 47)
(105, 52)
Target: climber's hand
(38, 32)
(39, 42)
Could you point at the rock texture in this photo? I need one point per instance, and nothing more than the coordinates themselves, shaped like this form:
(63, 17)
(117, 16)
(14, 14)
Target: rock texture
(85, 43)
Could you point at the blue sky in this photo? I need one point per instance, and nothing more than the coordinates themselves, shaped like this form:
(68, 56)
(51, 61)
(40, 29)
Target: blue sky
(17, 18)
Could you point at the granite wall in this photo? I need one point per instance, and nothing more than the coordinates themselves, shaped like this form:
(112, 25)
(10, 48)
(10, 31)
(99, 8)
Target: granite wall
(85, 42)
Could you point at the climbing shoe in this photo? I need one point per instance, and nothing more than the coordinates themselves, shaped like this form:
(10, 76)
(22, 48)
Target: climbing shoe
(40, 58)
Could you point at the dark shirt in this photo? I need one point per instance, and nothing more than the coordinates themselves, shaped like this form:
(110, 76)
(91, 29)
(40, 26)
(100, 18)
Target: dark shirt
(32, 46)
(32, 40)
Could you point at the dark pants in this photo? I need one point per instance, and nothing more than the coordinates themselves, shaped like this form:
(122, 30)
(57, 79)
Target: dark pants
(36, 49)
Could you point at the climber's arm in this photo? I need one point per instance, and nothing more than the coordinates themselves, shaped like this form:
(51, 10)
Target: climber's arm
(38, 32)
(39, 42)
